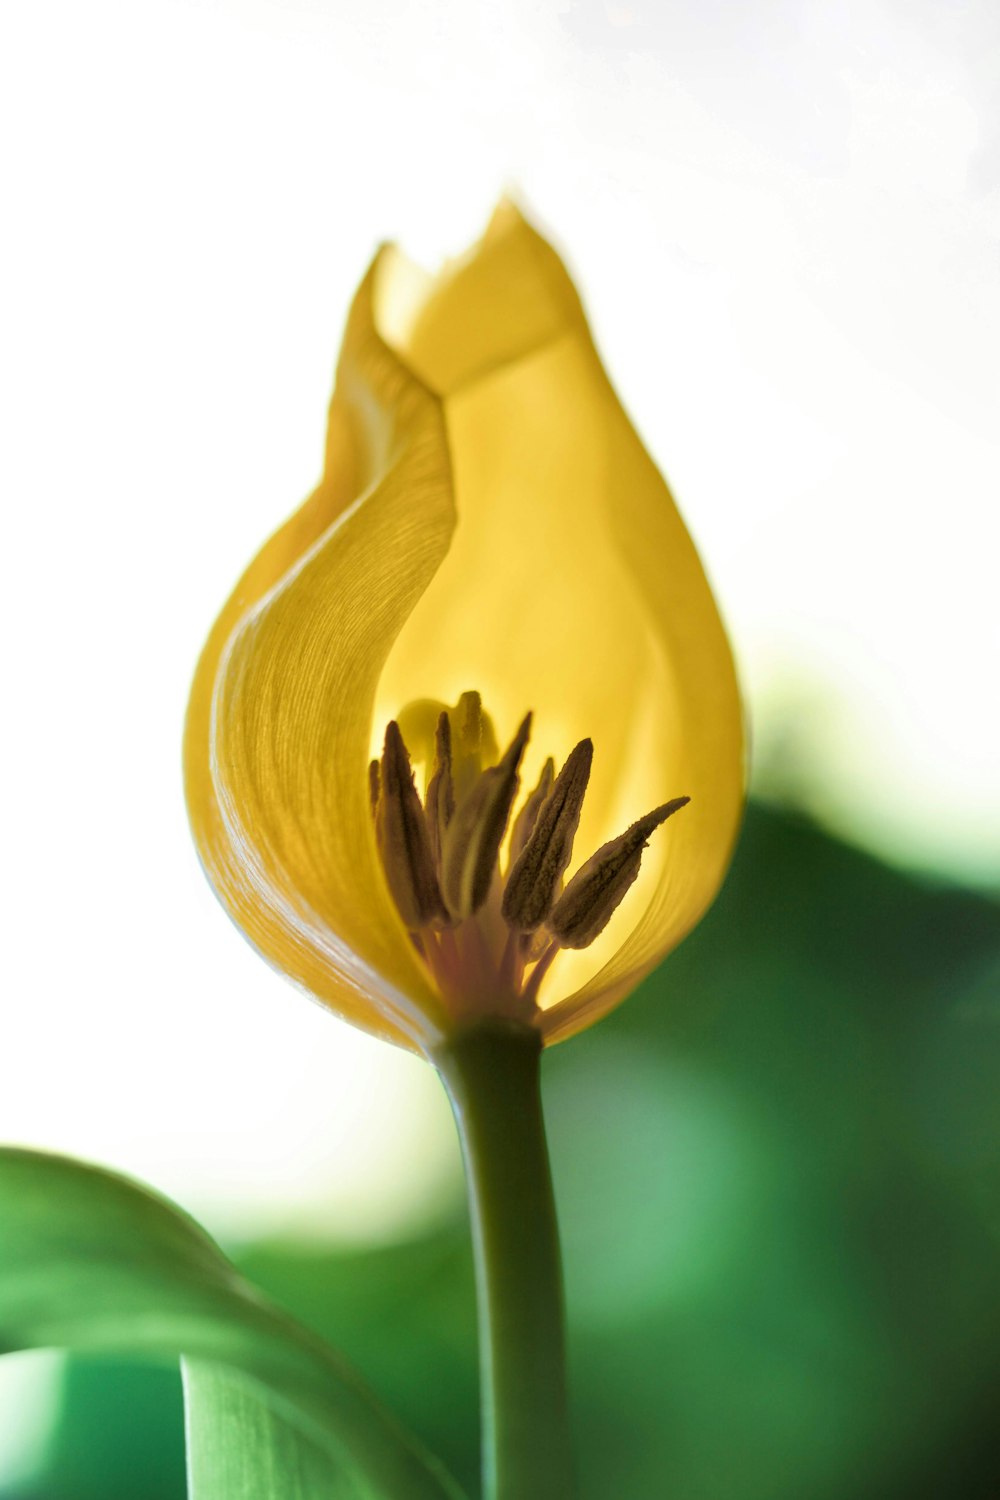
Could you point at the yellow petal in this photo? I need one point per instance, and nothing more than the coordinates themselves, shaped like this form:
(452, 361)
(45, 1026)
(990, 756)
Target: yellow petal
(572, 588)
(279, 723)
(569, 587)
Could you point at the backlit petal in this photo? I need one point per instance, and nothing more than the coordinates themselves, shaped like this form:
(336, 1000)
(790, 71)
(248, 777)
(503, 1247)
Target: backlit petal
(279, 724)
(572, 588)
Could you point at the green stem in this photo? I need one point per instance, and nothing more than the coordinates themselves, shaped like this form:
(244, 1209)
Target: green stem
(491, 1072)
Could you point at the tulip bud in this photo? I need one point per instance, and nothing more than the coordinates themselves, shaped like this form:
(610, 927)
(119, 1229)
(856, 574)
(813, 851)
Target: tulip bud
(487, 513)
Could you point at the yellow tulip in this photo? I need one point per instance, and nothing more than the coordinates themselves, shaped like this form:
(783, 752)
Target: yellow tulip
(488, 525)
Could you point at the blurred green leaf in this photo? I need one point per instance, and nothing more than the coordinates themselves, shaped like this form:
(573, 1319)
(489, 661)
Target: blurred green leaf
(90, 1261)
(238, 1447)
(407, 1313)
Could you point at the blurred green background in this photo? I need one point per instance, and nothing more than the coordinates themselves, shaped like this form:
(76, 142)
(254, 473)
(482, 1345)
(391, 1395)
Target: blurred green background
(778, 1172)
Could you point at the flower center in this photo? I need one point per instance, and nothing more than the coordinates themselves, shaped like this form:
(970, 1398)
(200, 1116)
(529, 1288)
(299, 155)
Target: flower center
(488, 921)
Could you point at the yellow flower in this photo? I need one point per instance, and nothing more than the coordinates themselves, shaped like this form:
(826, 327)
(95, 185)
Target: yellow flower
(489, 534)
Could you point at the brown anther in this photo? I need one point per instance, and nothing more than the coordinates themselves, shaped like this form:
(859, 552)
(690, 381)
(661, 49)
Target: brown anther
(592, 896)
(474, 835)
(528, 816)
(440, 799)
(401, 831)
(374, 784)
(534, 880)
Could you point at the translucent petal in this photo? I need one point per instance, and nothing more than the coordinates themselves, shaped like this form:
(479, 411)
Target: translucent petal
(279, 724)
(571, 588)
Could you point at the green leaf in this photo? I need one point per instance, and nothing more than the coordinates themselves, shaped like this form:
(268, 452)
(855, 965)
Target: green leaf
(237, 1446)
(90, 1261)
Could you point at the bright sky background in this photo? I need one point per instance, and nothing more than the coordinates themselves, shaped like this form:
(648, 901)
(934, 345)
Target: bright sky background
(785, 220)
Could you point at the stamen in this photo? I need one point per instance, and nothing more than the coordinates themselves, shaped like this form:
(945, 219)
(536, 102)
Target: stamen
(475, 833)
(534, 880)
(401, 832)
(440, 799)
(488, 939)
(595, 892)
(528, 816)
